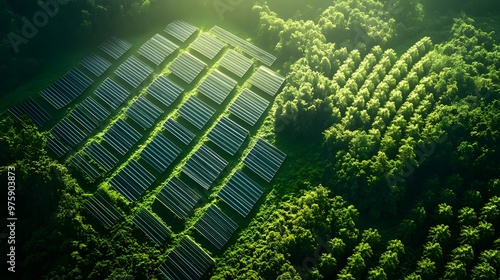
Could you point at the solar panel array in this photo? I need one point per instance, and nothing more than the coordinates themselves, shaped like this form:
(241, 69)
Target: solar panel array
(256, 52)
(134, 71)
(187, 67)
(84, 165)
(236, 63)
(115, 47)
(152, 227)
(132, 181)
(241, 193)
(121, 136)
(178, 197)
(83, 119)
(33, 110)
(217, 86)
(157, 49)
(101, 156)
(216, 227)
(267, 80)
(69, 132)
(57, 146)
(180, 30)
(96, 64)
(94, 110)
(101, 208)
(66, 89)
(160, 153)
(228, 135)
(179, 131)
(144, 113)
(164, 90)
(207, 45)
(186, 261)
(112, 93)
(204, 166)
(264, 159)
(249, 107)
(196, 112)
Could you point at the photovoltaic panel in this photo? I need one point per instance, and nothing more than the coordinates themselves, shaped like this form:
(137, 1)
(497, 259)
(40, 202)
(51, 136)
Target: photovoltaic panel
(101, 156)
(115, 47)
(132, 181)
(180, 30)
(56, 146)
(236, 63)
(264, 159)
(121, 136)
(196, 112)
(157, 49)
(186, 261)
(86, 167)
(207, 45)
(267, 80)
(217, 86)
(256, 52)
(144, 113)
(164, 90)
(187, 67)
(178, 197)
(216, 227)
(134, 71)
(33, 110)
(241, 193)
(69, 132)
(179, 131)
(204, 166)
(160, 153)
(101, 208)
(228, 135)
(249, 106)
(93, 108)
(95, 64)
(152, 226)
(112, 93)
(66, 89)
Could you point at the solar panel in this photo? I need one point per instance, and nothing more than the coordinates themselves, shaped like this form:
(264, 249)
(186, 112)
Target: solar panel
(228, 135)
(196, 112)
(236, 63)
(178, 197)
(241, 193)
(152, 226)
(112, 93)
(256, 52)
(101, 208)
(134, 71)
(186, 261)
(66, 89)
(95, 64)
(160, 153)
(157, 49)
(86, 121)
(67, 131)
(204, 166)
(180, 30)
(93, 108)
(217, 86)
(132, 181)
(164, 90)
(264, 159)
(187, 67)
(207, 45)
(33, 110)
(179, 131)
(84, 165)
(101, 156)
(249, 106)
(267, 80)
(144, 113)
(115, 47)
(216, 227)
(57, 146)
(121, 136)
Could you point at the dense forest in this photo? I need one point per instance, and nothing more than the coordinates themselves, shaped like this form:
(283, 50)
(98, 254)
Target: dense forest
(389, 116)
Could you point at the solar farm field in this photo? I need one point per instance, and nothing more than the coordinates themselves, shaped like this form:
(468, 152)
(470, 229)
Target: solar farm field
(166, 136)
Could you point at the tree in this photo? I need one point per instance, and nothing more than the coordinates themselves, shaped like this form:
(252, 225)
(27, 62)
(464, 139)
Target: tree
(469, 235)
(433, 251)
(377, 273)
(426, 268)
(464, 253)
(455, 270)
(467, 216)
(444, 213)
(484, 271)
(440, 234)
